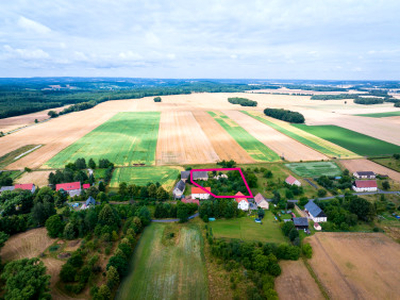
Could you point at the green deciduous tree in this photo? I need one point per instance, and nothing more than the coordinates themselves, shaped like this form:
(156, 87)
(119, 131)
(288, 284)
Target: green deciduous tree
(54, 226)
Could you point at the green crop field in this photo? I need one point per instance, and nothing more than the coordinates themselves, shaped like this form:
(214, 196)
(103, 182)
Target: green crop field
(381, 115)
(246, 229)
(303, 137)
(315, 169)
(389, 162)
(351, 140)
(162, 269)
(166, 176)
(128, 137)
(253, 147)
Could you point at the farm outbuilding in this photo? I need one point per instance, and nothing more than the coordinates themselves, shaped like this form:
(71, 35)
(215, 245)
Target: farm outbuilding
(292, 181)
(261, 202)
(314, 212)
(364, 175)
(185, 175)
(300, 223)
(365, 186)
(200, 175)
(26, 186)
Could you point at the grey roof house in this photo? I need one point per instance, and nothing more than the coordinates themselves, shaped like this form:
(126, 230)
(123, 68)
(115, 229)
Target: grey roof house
(179, 189)
(314, 212)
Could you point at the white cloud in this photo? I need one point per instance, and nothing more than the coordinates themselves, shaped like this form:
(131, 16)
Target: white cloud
(32, 26)
(129, 55)
(26, 53)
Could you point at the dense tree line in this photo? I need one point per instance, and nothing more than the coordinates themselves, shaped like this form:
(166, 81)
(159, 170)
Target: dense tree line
(242, 101)
(73, 108)
(218, 208)
(318, 88)
(332, 184)
(368, 101)
(397, 104)
(334, 97)
(284, 115)
(5, 179)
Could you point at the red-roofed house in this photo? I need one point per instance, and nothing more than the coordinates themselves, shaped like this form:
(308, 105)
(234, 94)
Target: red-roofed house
(190, 200)
(27, 186)
(72, 188)
(85, 186)
(365, 186)
(243, 203)
(291, 181)
(198, 193)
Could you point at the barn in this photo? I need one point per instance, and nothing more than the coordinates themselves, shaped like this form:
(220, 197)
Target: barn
(365, 186)
(300, 223)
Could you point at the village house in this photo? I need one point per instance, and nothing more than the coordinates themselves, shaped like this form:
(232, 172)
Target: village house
(365, 186)
(90, 201)
(26, 186)
(185, 175)
(179, 189)
(243, 203)
(300, 223)
(314, 212)
(199, 193)
(292, 181)
(200, 175)
(364, 175)
(7, 188)
(72, 188)
(261, 202)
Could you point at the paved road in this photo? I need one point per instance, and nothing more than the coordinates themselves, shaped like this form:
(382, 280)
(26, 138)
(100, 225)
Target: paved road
(173, 220)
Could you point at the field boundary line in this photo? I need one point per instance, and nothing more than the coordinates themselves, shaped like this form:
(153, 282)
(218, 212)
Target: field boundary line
(316, 279)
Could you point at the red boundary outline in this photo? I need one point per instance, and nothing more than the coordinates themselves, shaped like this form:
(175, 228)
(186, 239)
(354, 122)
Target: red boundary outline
(222, 169)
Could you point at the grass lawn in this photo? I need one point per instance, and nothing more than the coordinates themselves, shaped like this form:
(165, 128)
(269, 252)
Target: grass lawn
(246, 229)
(351, 140)
(389, 162)
(13, 156)
(253, 147)
(315, 169)
(167, 269)
(166, 176)
(126, 138)
(303, 137)
(382, 115)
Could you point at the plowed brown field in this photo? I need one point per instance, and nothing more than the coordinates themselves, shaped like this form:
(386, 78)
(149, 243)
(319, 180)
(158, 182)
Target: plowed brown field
(356, 265)
(182, 141)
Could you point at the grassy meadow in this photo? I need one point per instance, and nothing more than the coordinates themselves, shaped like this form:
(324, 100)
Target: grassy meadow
(389, 162)
(166, 176)
(246, 229)
(382, 115)
(315, 169)
(303, 137)
(128, 137)
(253, 147)
(167, 268)
(351, 140)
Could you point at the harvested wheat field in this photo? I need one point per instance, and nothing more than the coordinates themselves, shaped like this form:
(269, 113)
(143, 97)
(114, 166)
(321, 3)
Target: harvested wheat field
(26, 245)
(295, 282)
(291, 149)
(354, 165)
(356, 265)
(225, 146)
(39, 178)
(182, 141)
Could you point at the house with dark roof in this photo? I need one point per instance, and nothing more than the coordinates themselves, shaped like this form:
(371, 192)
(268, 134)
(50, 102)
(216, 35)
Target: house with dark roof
(200, 175)
(72, 188)
(90, 201)
(300, 223)
(364, 175)
(179, 189)
(365, 186)
(292, 181)
(185, 175)
(261, 202)
(314, 212)
(199, 193)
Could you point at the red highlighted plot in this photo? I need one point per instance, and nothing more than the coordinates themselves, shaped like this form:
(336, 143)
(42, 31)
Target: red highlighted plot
(218, 170)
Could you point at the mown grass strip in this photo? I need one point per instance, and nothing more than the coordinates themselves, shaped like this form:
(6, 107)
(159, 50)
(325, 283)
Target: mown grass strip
(13, 156)
(381, 115)
(126, 138)
(315, 277)
(305, 138)
(254, 147)
(359, 143)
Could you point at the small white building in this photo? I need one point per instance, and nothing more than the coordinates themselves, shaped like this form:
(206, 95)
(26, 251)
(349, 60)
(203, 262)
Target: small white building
(261, 202)
(292, 181)
(243, 203)
(314, 212)
(365, 186)
(364, 175)
(199, 193)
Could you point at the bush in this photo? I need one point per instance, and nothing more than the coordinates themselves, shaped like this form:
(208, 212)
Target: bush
(67, 273)
(307, 250)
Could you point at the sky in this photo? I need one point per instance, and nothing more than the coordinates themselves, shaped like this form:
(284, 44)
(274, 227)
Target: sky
(262, 39)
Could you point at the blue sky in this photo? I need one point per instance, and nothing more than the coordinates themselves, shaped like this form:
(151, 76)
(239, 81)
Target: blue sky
(286, 39)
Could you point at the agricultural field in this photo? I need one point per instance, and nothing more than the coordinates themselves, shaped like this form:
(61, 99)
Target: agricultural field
(39, 178)
(246, 229)
(356, 265)
(166, 266)
(280, 143)
(315, 169)
(140, 176)
(389, 162)
(13, 156)
(312, 141)
(257, 150)
(359, 143)
(295, 282)
(124, 139)
(182, 141)
(381, 115)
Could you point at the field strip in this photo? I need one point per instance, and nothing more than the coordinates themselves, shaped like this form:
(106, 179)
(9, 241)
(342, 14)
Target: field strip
(289, 148)
(357, 142)
(315, 142)
(182, 140)
(257, 150)
(126, 138)
(223, 143)
(354, 165)
(380, 115)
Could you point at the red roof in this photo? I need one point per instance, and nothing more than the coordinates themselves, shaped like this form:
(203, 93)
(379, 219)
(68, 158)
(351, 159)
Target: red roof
(197, 190)
(366, 184)
(290, 180)
(238, 200)
(26, 186)
(86, 186)
(68, 186)
(184, 200)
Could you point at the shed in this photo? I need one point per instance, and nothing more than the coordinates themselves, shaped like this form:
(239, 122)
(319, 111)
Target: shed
(261, 202)
(300, 223)
(200, 175)
(185, 175)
